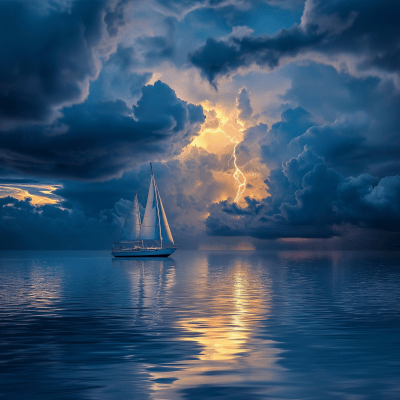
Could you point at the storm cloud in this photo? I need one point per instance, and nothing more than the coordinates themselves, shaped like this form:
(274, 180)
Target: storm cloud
(327, 178)
(219, 58)
(310, 200)
(49, 54)
(90, 91)
(364, 35)
(101, 140)
(25, 226)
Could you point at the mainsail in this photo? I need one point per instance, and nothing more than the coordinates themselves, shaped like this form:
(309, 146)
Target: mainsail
(131, 229)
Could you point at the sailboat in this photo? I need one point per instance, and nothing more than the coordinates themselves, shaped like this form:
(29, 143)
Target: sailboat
(150, 237)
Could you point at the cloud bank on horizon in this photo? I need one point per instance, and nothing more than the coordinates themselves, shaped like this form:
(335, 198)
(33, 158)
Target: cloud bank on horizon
(90, 91)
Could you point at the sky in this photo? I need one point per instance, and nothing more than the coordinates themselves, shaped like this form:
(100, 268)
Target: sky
(270, 124)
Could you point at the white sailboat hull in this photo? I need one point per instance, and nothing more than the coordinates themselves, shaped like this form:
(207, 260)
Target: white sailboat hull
(156, 252)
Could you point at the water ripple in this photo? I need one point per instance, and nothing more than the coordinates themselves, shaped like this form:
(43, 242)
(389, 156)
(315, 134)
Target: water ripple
(288, 325)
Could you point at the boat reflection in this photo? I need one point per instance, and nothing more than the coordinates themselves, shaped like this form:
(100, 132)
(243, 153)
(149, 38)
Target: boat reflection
(151, 280)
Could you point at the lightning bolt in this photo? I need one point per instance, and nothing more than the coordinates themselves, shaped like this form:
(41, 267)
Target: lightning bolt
(238, 173)
(223, 118)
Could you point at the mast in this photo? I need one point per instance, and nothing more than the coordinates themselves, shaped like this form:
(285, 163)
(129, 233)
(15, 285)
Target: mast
(158, 209)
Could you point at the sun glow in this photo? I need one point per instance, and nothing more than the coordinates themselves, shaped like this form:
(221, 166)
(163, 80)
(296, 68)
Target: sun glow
(40, 194)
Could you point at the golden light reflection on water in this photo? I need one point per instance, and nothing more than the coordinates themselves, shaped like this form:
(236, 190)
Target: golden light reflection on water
(225, 313)
(223, 336)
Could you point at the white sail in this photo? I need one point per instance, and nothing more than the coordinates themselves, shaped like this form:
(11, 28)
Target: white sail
(131, 229)
(150, 228)
(165, 231)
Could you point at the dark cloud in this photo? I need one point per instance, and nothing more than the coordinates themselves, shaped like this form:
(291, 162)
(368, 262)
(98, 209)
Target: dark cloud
(275, 147)
(24, 226)
(219, 58)
(355, 128)
(311, 84)
(342, 144)
(297, 167)
(358, 121)
(18, 180)
(101, 140)
(49, 56)
(310, 200)
(365, 34)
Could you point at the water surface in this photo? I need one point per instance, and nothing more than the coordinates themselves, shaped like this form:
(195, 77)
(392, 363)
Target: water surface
(200, 325)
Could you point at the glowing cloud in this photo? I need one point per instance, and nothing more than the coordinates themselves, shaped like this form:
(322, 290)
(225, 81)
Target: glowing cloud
(222, 129)
(40, 194)
(222, 123)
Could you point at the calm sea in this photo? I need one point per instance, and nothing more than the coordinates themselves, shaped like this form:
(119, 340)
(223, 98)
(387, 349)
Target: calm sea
(200, 325)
